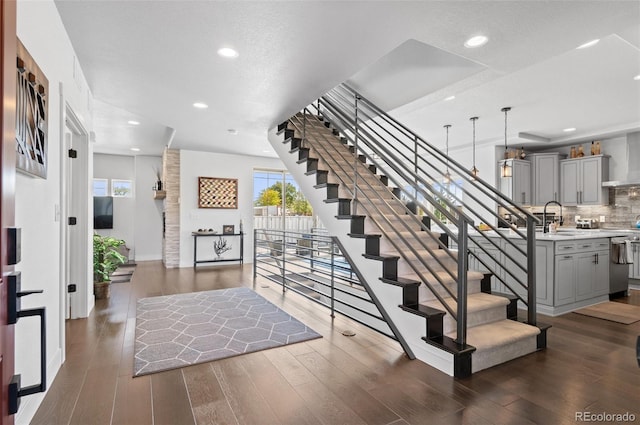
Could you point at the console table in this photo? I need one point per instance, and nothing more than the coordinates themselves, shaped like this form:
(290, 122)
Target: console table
(197, 235)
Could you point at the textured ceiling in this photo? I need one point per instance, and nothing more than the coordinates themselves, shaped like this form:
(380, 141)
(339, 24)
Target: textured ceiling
(154, 59)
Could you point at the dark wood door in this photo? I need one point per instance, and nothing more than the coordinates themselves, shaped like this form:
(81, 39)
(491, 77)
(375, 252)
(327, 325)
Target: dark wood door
(8, 44)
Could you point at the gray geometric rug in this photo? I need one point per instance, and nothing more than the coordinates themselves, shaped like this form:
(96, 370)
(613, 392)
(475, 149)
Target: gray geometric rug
(180, 330)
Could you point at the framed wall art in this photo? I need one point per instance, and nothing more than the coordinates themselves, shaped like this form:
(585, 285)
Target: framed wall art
(32, 91)
(216, 192)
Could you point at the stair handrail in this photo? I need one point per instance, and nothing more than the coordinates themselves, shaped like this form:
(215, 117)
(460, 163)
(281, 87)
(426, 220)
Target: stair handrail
(417, 189)
(460, 314)
(477, 183)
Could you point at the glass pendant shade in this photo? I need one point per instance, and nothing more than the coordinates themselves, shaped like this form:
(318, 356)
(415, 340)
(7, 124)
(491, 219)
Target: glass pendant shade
(447, 175)
(474, 169)
(506, 168)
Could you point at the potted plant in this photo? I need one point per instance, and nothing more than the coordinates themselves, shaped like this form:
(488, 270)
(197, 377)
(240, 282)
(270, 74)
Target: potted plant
(106, 260)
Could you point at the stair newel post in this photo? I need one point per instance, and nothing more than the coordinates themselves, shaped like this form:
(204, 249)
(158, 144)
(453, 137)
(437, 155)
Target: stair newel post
(462, 281)
(531, 270)
(304, 128)
(255, 253)
(283, 248)
(355, 159)
(333, 268)
(415, 169)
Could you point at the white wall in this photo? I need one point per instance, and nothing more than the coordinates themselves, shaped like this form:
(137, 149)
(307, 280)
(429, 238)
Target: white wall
(41, 31)
(201, 164)
(121, 168)
(148, 211)
(136, 220)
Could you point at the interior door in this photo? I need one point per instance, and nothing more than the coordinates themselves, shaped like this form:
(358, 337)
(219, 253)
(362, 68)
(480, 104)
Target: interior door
(8, 45)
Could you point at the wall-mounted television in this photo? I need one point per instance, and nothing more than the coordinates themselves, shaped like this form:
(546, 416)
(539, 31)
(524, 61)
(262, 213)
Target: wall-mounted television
(103, 212)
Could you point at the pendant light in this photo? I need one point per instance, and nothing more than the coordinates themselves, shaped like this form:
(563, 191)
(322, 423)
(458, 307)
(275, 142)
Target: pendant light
(506, 170)
(447, 175)
(474, 169)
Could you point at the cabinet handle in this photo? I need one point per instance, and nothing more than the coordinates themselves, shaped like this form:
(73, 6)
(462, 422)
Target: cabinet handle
(595, 258)
(566, 247)
(555, 196)
(568, 256)
(577, 197)
(585, 246)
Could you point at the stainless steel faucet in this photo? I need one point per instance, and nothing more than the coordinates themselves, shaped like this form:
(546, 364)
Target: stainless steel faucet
(545, 225)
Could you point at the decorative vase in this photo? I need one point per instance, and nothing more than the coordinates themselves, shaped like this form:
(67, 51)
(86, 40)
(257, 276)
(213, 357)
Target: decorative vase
(102, 290)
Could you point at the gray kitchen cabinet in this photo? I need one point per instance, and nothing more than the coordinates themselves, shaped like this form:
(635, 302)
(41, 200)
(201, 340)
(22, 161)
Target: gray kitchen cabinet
(565, 279)
(544, 269)
(546, 177)
(634, 269)
(582, 270)
(592, 271)
(489, 259)
(518, 186)
(581, 181)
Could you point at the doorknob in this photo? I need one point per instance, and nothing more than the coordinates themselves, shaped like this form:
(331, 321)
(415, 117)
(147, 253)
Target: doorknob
(15, 312)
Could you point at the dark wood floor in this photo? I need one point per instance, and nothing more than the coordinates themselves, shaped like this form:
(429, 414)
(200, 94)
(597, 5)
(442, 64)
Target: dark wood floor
(589, 366)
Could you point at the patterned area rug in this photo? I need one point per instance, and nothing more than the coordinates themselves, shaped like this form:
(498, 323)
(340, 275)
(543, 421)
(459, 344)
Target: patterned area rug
(184, 329)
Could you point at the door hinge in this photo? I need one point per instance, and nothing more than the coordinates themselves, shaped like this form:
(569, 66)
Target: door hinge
(71, 288)
(73, 153)
(73, 221)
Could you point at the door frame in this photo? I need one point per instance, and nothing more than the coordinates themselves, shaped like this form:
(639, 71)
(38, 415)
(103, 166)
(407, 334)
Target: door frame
(81, 167)
(8, 53)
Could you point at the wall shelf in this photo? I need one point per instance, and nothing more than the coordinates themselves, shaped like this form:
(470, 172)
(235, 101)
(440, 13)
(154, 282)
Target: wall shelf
(159, 194)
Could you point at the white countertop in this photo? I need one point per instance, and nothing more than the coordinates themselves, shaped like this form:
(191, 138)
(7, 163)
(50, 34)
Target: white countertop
(567, 234)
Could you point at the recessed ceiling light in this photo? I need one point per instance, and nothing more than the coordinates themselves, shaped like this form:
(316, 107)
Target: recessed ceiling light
(476, 41)
(637, 77)
(449, 98)
(227, 52)
(133, 122)
(266, 151)
(569, 130)
(232, 131)
(135, 149)
(200, 105)
(588, 44)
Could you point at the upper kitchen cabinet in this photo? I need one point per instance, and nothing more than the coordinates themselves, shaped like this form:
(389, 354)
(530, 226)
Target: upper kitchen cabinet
(546, 177)
(581, 180)
(518, 186)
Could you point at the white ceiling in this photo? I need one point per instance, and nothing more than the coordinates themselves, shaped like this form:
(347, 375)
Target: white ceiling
(149, 61)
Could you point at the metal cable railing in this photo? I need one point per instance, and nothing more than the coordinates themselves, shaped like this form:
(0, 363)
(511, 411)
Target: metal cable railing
(333, 153)
(313, 266)
(417, 169)
(328, 149)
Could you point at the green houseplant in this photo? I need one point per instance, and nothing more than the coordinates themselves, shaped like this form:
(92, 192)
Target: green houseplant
(106, 260)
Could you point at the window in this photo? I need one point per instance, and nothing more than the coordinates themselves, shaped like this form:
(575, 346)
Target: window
(122, 188)
(272, 210)
(100, 187)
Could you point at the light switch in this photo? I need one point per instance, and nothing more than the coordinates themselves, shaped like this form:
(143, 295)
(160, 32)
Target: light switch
(602, 218)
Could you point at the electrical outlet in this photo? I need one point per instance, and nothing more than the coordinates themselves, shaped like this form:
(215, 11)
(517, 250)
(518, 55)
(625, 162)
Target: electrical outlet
(603, 218)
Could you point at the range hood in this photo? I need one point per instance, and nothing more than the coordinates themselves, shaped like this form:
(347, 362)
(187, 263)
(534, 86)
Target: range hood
(632, 177)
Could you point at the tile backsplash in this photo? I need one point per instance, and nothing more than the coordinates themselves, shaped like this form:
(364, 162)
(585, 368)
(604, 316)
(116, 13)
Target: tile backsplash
(623, 208)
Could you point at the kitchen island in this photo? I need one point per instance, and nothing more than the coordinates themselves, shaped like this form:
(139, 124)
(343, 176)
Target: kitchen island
(572, 266)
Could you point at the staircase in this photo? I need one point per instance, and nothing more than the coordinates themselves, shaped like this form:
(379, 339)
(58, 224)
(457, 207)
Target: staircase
(440, 312)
